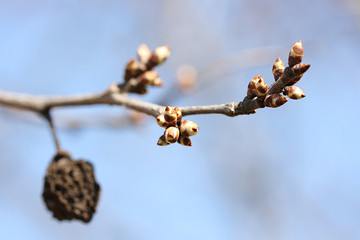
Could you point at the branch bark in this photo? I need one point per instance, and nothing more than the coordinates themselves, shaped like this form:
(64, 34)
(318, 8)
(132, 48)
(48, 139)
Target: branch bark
(113, 96)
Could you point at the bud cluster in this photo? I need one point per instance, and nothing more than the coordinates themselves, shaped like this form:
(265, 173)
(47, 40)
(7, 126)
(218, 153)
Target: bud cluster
(142, 70)
(177, 130)
(293, 92)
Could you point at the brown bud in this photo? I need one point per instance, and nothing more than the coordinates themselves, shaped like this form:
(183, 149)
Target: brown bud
(160, 120)
(178, 114)
(300, 68)
(278, 69)
(296, 54)
(148, 77)
(188, 128)
(275, 100)
(251, 92)
(162, 141)
(70, 189)
(171, 134)
(185, 141)
(261, 87)
(131, 69)
(294, 92)
(294, 81)
(170, 115)
(143, 53)
(139, 88)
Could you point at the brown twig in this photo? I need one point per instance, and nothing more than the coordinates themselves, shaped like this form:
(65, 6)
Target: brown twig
(47, 116)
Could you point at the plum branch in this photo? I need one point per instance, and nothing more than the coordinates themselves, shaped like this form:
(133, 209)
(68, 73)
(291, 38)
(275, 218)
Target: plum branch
(70, 189)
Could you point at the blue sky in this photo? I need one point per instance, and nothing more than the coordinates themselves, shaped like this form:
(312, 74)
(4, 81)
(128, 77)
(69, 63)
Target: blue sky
(286, 173)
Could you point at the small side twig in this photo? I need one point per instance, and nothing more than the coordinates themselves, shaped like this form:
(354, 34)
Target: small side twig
(46, 114)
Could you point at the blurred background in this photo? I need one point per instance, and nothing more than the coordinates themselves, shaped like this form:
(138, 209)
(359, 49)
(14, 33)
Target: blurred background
(285, 173)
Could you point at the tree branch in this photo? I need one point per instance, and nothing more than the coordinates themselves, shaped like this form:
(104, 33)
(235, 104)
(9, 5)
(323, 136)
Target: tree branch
(112, 96)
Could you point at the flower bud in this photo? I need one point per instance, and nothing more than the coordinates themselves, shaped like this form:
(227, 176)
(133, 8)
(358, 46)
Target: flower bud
(131, 69)
(178, 114)
(162, 141)
(138, 88)
(171, 134)
(294, 81)
(188, 128)
(275, 100)
(161, 54)
(296, 54)
(185, 141)
(160, 120)
(278, 69)
(260, 87)
(251, 92)
(143, 53)
(170, 115)
(157, 82)
(148, 77)
(294, 92)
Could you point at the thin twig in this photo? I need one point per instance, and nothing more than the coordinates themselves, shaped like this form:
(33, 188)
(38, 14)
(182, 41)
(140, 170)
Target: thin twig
(47, 116)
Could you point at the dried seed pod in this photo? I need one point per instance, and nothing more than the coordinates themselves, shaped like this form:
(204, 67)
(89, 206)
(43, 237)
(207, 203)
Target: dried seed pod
(131, 69)
(162, 141)
(188, 128)
(70, 188)
(160, 120)
(260, 87)
(294, 92)
(278, 69)
(296, 54)
(251, 92)
(171, 134)
(275, 100)
(143, 53)
(185, 141)
(148, 77)
(178, 114)
(170, 116)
